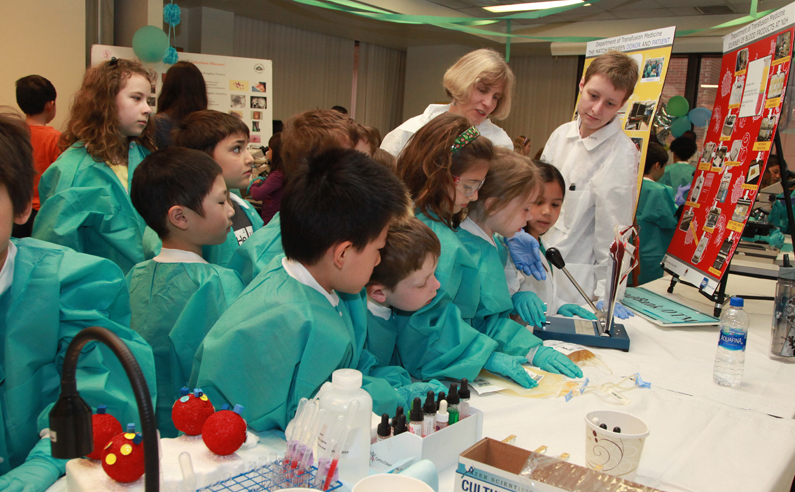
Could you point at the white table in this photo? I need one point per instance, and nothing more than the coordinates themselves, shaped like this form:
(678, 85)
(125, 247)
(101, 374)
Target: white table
(703, 437)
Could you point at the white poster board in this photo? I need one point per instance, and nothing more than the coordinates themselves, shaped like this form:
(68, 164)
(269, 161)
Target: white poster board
(240, 86)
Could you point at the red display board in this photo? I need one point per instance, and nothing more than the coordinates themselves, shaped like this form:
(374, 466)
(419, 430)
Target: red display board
(753, 79)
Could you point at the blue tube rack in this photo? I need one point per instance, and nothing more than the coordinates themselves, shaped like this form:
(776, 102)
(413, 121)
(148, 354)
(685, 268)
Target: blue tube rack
(266, 479)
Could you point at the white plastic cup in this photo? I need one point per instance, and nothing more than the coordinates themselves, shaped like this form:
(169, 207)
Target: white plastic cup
(391, 483)
(611, 452)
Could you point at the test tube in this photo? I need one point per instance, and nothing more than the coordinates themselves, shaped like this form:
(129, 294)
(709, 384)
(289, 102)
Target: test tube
(188, 477)
(324, 456)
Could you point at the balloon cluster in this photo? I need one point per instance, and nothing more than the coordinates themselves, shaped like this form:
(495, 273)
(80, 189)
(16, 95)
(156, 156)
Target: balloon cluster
(151, 44)
(676, 117)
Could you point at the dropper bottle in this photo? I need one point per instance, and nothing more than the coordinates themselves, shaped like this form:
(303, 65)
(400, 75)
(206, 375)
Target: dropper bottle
(395, 419)
(440, 398)
(463, 394)
(429, 415)
(384, 430)
(400, 427)
(415, 417)
(442, 416)
(452, 403)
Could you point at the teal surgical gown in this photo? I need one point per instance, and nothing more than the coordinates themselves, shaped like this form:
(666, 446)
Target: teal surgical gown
(677, 174)
(279, 342)
(85, 207)
(382, 338)
(657, 220)
(174, 305)
(778, 215)
(220, 254)
(256, 253)
(55, 293)
(438, 340)
(494, 305)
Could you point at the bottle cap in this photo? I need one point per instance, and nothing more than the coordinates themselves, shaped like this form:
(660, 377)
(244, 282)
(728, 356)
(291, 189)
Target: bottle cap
(401, 425)
(383, 428)
(346, 379)
(440, 398)
(102, 409)
(430, 404)
(238, 409)
(442, 415)
(736, 302)
(225, 406)
(184, 391)
(463, 391)
(416, 410)
(130, 428)
(452, 397)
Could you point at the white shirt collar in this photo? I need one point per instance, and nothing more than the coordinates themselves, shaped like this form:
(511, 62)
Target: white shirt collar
(7, 273)
(647, 179)
(471, 227)
(299, 272)
(241, 202)
(169, 255)
(378, 310)
(596, 138)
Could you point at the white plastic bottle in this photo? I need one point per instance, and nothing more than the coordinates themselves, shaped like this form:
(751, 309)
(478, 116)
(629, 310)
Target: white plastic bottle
(346, 385)
(730, 358)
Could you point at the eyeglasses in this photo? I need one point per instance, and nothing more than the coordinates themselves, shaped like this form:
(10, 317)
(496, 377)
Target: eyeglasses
(468, 189)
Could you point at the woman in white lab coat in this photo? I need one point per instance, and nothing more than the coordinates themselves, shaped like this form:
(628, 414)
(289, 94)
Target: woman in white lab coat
(545, 214)
(480, 85)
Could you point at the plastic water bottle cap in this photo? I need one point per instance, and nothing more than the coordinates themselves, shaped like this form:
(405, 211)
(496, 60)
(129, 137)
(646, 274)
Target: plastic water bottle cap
(346, 379)
(736, 302)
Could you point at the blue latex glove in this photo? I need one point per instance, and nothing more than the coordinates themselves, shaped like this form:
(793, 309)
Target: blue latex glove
(619, 312)
(530, 307)
(419, 390)
(35, 475)
(526, 255)
(681, 194)
(551, 360)
(571, 310)
(510, 366)
(775, 239)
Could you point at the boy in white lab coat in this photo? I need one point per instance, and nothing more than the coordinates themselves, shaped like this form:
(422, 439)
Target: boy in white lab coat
(600, 166)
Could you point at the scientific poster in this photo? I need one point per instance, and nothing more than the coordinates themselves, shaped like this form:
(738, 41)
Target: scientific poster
(753, 78)
(652, 51)
(239, 86)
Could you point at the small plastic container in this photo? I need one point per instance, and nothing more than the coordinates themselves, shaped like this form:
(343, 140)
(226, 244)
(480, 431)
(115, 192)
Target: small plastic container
(782, 343)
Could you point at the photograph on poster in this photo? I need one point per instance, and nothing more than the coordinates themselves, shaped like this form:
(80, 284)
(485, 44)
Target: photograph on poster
(256, 115)
(783, 42)
(737, 91)
(237, 100)
(755, 84)
(776, 84)
(754, 170)
(640, 115)
(741, 210)
(238, 85)
(723, 189)
(706, 156)
(652, 69)
(259, 102)
(728, 125)
(702, 245)
(695, 193)
(766, 129)
(255, 126)
(742, 60)
(734, 153)
(712, 217)
(259, 87)
(720, 157)
(256, 139)
(237, 113)
(638, 143)
(687, 218)
(152, 101)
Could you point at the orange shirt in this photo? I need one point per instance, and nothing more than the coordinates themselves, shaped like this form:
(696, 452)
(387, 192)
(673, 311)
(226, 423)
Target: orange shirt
(44, 140)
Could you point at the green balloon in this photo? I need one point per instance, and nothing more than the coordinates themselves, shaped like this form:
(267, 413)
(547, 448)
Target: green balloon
(150, 43)
(678, 106)
(680, 126)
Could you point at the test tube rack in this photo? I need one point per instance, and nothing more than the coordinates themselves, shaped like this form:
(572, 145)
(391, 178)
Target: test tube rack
(267, 478)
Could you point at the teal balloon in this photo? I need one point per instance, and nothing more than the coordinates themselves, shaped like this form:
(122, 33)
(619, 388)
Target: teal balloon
(680, 126)
(700, 116)
(678, 106)
(150, 43)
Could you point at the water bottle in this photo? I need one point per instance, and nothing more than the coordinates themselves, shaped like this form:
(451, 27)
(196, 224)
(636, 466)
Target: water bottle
(731, 346)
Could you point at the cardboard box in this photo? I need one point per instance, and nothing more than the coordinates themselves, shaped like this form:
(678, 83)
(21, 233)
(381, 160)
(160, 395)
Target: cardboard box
(443, 447)
(491, 466)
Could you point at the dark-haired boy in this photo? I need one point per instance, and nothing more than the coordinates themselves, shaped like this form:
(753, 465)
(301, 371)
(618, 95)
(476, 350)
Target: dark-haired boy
(48, 294)
(304, 136)
(680, 173)
(304, 315)
(36, 98)
(177, 296)
(656, 214)
(224, 137)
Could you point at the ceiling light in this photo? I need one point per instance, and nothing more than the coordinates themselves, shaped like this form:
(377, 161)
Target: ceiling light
(709, 86)
(518, 7)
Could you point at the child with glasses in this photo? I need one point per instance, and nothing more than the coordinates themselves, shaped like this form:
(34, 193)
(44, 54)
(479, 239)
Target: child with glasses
(444, 165)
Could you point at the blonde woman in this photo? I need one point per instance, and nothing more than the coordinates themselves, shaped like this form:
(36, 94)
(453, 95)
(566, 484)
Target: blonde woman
(480, 85)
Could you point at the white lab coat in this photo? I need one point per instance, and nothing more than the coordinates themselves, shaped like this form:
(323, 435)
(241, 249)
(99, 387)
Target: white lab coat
(603, 169)
(399, 137)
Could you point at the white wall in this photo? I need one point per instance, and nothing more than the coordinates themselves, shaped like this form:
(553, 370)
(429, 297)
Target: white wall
(425, 67)
(131, 15)
(51, 45)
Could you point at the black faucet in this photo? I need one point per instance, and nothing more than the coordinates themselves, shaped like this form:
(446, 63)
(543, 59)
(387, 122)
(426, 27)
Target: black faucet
(70, 417)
